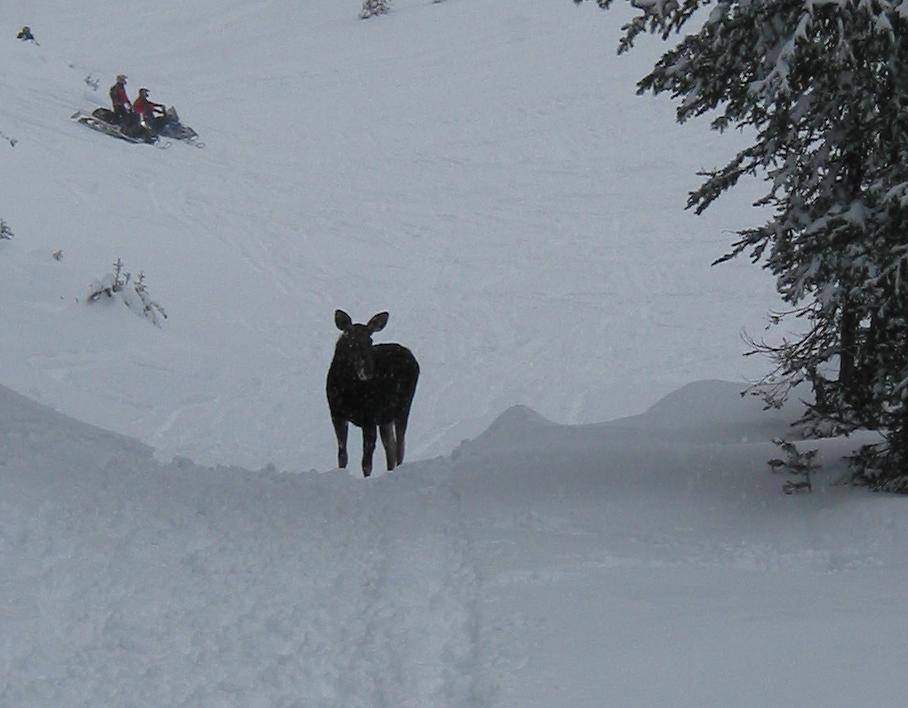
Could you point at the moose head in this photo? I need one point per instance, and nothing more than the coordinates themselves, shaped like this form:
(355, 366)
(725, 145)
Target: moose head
(355, 344)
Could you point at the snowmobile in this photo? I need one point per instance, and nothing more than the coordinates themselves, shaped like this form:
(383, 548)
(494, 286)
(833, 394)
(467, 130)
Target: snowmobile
(140, 131)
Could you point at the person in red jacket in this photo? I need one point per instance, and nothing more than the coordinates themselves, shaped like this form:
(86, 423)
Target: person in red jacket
(147, 110)
(122, 108)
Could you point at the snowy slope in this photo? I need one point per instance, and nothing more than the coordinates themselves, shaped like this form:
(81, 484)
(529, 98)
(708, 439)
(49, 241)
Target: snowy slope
(483, 171)
(480, 169)
(541, 565)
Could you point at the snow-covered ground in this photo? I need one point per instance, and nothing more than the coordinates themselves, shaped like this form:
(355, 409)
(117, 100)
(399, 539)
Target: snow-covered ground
(648, 561)
(483, 171)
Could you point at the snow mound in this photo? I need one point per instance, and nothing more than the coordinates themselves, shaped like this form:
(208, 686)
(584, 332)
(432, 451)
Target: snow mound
(715, 411)
(28, 428)
(710, 403)
(703, 412)
(517, 421)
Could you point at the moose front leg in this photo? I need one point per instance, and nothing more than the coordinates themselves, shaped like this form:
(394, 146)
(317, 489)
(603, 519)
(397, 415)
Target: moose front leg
(340, 430)
(390, 444)
(369, 437)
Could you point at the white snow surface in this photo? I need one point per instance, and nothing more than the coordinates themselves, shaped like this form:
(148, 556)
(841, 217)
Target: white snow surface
(483, 171)
(639, 562)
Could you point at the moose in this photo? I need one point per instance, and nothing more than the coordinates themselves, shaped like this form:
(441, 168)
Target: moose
(371, 386)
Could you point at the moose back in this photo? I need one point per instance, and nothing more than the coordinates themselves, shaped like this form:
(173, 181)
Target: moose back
(371, 386)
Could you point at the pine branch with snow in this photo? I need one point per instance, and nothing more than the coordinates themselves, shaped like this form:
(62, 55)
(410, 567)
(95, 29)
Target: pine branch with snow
(818, 87)
(880, 467)
(5, 231)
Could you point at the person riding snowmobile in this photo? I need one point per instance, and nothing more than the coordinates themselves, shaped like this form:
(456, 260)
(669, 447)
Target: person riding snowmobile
(122, 108)
(146, 110)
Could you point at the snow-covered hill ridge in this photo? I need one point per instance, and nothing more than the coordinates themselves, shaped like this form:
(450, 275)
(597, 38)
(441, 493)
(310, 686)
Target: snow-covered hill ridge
(704, 411)
(481, 170)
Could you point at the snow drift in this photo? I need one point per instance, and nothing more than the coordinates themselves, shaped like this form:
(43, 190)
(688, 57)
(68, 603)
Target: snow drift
(541, 565)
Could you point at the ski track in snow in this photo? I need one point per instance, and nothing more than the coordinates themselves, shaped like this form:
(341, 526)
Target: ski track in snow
(295, 590)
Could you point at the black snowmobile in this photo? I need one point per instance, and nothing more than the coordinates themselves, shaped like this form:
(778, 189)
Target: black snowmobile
(140, 131)
(169, 126)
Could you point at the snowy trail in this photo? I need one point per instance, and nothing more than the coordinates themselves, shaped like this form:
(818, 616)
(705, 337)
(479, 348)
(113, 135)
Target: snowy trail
(648, 561)
(225, 587)
(284, 595)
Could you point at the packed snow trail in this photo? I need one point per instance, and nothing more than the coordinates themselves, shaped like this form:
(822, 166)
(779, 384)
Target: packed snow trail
(648, 561)
(184, 586)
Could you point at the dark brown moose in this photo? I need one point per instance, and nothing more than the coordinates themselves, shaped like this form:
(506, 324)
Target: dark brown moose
(371, 386)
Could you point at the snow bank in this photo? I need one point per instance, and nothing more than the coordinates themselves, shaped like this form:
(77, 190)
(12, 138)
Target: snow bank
(541, 565)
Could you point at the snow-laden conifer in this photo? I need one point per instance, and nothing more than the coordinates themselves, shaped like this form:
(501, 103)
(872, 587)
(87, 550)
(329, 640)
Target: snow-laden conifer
(821, 88)
(799, 464)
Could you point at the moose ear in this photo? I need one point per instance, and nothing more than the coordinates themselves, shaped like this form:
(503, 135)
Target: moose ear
(342, 320)
(377, 323)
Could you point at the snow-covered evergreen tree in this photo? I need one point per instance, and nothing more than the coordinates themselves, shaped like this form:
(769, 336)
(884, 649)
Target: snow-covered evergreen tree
(5, 231)
(799, 464)
(374, 7)
(821, 87)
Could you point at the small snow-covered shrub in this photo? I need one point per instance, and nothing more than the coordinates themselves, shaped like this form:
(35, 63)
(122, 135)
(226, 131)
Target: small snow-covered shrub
(138, 299)
(799, 464)
(133, 292)
(5, 231)
(109, 284)
(374, 7)
(92, 81)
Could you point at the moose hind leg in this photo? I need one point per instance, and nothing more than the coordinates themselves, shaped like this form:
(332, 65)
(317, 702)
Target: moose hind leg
(390, 444)
(400, 431)
(369, 437)
(340, 430)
